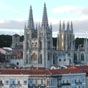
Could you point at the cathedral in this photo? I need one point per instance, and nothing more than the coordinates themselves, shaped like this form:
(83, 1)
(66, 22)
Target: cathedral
(38, 44)
(38, 51)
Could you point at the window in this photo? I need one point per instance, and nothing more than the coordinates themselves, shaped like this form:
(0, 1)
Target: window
(41, 81)
(12, 81)
(35, 81)
(40, 44)
(30, 82)
(40, 59)
(18, 82)
(49, 56)
(48, 82)
(34, 56)
(59, 59)
(82, 57)
(64, 59)
(75, 58)
(48, 44)
(0, 82)
(6, 82)
(25, 82)
(17, 63)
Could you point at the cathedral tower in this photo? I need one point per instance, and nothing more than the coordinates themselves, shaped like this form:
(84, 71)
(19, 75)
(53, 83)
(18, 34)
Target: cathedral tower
(15, 41)
(65, 39)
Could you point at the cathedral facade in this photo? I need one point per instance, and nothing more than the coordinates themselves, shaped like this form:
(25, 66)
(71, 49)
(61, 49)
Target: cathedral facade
(38, 48)
(38, 43)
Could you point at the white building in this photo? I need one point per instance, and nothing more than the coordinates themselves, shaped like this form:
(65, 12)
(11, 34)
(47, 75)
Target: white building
(70, 78)
(24, 78)
(42, 78)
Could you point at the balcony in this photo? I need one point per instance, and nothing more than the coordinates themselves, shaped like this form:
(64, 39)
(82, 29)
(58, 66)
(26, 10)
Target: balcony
(15, 85)
(64, 84)
(78, 83)
(36, 86)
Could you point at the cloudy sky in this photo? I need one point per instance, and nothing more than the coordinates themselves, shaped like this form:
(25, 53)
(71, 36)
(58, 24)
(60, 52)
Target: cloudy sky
(14, 14)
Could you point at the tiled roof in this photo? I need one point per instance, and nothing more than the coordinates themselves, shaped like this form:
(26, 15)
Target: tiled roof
(39, 71)
(83, 68)
(24, 71)
(66, 71)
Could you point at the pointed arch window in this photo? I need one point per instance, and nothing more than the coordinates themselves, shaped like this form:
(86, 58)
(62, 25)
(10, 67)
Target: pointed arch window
(82, 57)
(34, 56)
(75, 58)
(40, 59)
(40, 44)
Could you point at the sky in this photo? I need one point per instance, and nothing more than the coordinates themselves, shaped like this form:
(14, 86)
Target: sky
(14, 14)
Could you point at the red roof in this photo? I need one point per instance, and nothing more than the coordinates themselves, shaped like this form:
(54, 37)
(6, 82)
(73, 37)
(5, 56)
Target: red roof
(39, 71)
(24, 71)
(73, 67)
(66, 71)
(83, 68)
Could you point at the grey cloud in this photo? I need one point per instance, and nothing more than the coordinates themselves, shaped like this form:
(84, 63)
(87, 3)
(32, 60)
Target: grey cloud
(80, 27)
(85, 11)
(12, 24)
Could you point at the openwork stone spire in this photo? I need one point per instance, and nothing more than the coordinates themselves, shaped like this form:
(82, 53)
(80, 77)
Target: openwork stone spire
(71, 26)
(68, 26)
(30, 20)
(60, 26)
(45, 18)
(63, 25)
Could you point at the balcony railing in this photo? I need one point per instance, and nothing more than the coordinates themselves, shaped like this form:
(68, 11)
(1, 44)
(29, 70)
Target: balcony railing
(64, 84)
(78, 83)
(15, 85)
(36, 85)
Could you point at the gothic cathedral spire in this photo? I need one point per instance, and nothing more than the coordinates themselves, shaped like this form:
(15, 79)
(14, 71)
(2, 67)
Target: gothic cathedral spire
(59, 26)
(30, 20)
(71, 26)
(68, 26)
(63, 27)
(45, 18)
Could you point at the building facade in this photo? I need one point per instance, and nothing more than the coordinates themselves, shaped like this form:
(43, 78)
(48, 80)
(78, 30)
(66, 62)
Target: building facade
(42, 78)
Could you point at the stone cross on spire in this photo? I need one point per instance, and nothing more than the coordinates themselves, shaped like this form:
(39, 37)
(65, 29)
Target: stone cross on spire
(45, 18)
(30, 20)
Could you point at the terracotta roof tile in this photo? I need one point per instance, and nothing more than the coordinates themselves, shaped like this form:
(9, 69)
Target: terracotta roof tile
(66, 71)
(39, 71)
(24, 71)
